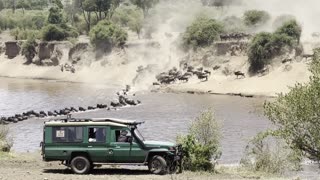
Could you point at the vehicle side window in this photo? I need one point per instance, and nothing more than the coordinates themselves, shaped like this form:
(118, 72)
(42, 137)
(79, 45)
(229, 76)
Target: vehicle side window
(67, 134)
(97, 134)
(122, 135)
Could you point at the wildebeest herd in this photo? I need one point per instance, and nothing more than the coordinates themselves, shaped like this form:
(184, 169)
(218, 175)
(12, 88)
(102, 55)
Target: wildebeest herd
(234, 36)
(174, 75)
(123, 100)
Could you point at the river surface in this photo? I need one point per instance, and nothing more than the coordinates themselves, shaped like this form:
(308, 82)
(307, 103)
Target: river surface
(166, 115)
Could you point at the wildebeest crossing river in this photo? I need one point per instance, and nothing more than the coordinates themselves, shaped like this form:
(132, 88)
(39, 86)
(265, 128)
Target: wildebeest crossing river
(165, 115)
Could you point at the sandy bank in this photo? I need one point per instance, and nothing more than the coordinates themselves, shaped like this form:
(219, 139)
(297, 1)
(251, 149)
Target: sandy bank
(278, 80)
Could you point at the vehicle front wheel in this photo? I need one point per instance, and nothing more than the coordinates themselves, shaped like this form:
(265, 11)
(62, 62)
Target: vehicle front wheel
(157, 165)
(80, 165)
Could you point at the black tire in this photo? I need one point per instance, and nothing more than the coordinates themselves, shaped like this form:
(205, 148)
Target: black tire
(80, 165)
(157, 165)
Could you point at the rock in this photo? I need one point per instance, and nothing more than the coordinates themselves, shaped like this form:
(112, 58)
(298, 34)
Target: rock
(12, 49)
(77, 51)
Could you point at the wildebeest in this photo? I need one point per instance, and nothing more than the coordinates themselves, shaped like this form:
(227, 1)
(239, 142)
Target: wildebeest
(216, 67)
(239, 73)
(202, 76)
(207, 72)
(155, 83)
(286, 60)
(91, 108)
(184, 78)
(82, 109)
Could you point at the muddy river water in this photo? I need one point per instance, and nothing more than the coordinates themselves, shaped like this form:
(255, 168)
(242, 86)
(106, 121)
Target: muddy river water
(166, 115)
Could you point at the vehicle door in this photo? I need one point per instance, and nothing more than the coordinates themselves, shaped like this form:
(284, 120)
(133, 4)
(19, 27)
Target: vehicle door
(98, 144)
(123, 150)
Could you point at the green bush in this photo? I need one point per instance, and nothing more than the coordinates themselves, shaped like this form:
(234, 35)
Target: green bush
(255, 17)
(53, 32)
(5, 142)
(290, 28)
(264, 47)
(107, 34)
(296, 114)
(21, 34)
(201, 145)
(202, 32)
(277, 159)
(29, 49)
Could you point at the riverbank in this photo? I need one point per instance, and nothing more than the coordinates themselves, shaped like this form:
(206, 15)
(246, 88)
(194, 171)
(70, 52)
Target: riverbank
(30, 166)
(279, 80)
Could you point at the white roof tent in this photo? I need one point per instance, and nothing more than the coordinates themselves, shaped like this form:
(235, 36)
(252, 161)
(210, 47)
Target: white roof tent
(100, 120)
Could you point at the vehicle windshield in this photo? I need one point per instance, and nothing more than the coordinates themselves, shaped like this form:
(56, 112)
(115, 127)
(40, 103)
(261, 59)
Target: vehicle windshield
(138, 134)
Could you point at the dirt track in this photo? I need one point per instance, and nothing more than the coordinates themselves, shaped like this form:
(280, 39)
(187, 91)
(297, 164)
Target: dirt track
(29, 166)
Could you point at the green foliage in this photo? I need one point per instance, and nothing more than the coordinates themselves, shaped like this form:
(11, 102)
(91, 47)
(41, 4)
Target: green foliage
(255, 17)
(145, 5)
(29, 49)
(5, 142)
(292, 29)
(266, 46)
(58, 3)
(202, 32)
(22, 34)
(277, 159)
(55, 16)
(53, 32)
(201, 144)
(107, 33)
(29, 20)
(296, 114)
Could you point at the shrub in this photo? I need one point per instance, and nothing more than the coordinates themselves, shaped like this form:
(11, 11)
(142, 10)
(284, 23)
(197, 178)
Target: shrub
(292, 29)
(5, 143)
(29, 50)
(202, 32)
(107, 35)
(266, 46)
(21, 34)
(53, 32)
(201, 144)
(255, 17)
(296, 114)
(259, 156)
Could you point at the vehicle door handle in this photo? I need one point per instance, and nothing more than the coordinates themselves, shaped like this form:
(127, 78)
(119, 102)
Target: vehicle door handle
(89, 146)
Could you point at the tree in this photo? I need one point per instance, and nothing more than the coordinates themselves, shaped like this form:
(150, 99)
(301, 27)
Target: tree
(105, 35)
(297, 114)
(22, 4)
(1, 5)
(55, 16)
(103, 9)
(57, 3)
(291, 28)
(202, 143)
(255, 17)
(145, 5)
(202, 32)
(135, 22)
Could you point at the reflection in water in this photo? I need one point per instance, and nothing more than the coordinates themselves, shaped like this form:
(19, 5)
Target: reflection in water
(166, 115)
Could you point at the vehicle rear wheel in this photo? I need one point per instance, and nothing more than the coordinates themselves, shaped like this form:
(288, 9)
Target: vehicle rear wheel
(157, 165)
(80, 165)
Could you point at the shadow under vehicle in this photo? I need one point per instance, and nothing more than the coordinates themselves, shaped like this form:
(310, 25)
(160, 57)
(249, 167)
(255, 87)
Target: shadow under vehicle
(82, 144)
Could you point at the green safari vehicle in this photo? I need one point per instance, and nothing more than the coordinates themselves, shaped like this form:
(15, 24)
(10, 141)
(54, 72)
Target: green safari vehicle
(82, 144)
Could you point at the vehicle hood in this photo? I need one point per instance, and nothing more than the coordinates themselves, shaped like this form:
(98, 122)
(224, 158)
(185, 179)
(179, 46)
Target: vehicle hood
(158, 144)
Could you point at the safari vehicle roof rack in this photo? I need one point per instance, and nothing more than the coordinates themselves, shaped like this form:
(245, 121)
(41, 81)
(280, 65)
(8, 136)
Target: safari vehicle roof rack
(114, 120)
